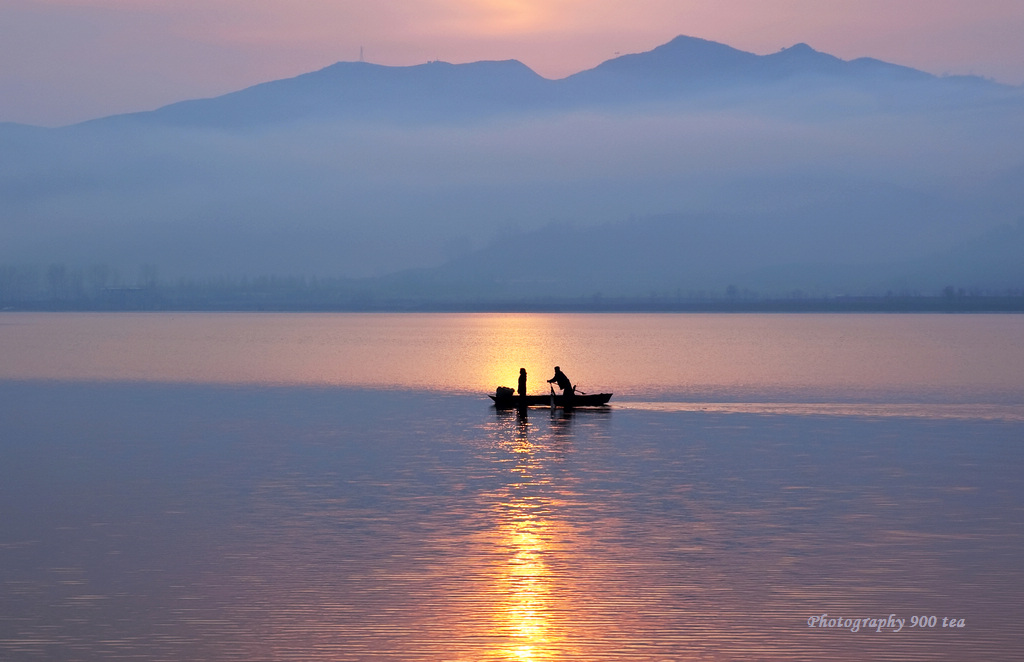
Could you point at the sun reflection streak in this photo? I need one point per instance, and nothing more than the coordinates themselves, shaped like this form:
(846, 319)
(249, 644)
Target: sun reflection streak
(529, 589)
(527, 536)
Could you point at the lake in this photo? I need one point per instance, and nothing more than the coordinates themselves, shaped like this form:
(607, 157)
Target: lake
(338, 487)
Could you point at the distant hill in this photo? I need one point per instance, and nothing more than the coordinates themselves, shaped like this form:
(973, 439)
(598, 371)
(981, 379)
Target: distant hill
(707, 257)
(360, 91)
(683, 69)
(770, 173)
(686, 65)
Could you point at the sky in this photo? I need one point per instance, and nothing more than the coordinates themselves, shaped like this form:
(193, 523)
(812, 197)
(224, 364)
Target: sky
(65, 61)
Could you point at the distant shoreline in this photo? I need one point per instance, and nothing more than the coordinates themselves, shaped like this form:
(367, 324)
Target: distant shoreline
(154, 302)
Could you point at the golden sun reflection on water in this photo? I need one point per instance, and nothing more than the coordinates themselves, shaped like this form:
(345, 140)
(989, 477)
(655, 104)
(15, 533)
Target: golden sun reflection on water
(526, 535)
(380, 530)
(655, 355)
(528, 587)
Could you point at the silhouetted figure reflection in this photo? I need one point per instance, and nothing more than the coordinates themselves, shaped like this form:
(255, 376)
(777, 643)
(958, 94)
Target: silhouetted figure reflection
(562, 382)
(522, 382)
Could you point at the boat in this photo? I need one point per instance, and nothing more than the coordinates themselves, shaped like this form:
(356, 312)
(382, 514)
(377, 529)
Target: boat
(564, 401)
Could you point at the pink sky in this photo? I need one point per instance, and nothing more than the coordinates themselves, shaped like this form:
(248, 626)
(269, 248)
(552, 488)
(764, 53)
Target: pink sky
(63, 61)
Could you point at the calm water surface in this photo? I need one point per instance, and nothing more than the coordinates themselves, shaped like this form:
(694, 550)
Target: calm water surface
(336, 487)
(951, 358)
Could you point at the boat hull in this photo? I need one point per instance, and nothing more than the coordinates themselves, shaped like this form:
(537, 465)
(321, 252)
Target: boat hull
(564, 401)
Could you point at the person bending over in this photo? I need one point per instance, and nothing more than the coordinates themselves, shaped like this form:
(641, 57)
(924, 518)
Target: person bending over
(562, 382)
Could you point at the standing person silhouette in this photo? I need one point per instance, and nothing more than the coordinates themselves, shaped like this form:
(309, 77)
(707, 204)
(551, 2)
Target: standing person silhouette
(562, 382)
(522, 382)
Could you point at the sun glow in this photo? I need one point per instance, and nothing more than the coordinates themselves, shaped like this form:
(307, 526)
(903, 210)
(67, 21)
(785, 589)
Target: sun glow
(501, 17)
(512, 342)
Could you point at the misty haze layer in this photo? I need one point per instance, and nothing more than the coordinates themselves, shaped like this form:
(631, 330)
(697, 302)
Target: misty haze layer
(689, 168)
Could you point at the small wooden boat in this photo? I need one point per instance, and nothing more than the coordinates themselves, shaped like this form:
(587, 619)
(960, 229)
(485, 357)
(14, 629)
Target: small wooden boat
(564, 401)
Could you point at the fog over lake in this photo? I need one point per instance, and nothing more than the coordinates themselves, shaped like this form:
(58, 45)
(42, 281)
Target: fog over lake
(770, 173)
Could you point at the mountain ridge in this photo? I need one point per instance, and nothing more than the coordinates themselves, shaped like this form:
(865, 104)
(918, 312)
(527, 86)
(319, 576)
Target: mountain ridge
(683, 68)
(794, 170)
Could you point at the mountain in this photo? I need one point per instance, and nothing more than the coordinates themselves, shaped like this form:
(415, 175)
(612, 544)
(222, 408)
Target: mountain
(438, 92)
(435, 92)
(685, 64)
(794, 170)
